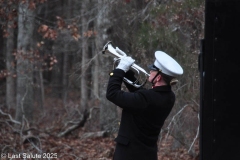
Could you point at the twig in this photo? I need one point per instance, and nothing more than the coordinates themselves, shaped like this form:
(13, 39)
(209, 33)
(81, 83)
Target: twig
(12, 120)
(195, 102)
(181, 87)
(69, 129)
(173, 118)
(77, 124)
(86, 65)
(14, 130)
(90, 112)
(35, 146)
(195, 137)
(8, 148)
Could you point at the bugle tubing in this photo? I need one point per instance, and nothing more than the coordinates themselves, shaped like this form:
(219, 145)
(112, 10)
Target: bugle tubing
(108, 49)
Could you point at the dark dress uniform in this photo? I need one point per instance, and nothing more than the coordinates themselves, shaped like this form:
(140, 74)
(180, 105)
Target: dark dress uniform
(143, 115)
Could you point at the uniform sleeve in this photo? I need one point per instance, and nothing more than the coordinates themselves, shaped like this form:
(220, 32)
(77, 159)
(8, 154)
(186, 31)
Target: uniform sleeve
(130, 75)
(126, 100)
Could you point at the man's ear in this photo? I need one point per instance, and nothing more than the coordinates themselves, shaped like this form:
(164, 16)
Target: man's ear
(159, 77)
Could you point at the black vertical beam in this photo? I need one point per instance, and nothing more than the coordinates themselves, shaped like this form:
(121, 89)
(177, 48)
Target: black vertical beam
(206, 113)
(219, 71)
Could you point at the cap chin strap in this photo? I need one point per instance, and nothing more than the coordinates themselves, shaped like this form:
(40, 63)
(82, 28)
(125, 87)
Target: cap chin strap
(153, 84)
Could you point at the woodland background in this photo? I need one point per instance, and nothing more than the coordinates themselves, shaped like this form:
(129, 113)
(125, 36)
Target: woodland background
(53, 75)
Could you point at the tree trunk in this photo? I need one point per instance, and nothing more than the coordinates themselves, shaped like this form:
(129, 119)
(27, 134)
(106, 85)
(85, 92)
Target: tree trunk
(57, 49)
(10, 80)
(67, 11)
(24, 67)
(39, 90)
(95, 73)
(84, 90)
(108, 112)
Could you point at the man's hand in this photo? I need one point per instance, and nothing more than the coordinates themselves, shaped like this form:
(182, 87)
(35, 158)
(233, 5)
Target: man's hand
(125, 63)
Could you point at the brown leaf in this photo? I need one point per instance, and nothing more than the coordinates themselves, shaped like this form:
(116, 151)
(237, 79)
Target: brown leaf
(32, 5)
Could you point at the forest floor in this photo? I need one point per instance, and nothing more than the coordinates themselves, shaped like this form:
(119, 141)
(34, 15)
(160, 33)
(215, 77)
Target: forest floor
(43, 140)
(72, 147)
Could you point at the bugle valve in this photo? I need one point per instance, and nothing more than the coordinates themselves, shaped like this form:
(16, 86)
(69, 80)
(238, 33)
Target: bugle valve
(108, 49)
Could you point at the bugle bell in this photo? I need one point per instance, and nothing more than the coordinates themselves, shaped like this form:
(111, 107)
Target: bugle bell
(108, 49)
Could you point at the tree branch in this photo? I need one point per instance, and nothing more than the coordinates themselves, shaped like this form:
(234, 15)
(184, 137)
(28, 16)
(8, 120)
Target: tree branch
(12, 120)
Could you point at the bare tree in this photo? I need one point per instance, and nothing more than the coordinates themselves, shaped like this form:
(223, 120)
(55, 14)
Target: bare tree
(84, 66)
(10, 65)
(108, 111)
(68, 13)
(24, 66)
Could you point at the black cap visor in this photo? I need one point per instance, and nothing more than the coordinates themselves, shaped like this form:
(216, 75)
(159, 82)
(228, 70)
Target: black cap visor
(152, 67)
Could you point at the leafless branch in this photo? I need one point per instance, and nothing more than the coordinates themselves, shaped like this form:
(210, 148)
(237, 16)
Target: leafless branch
(69, 129)
(86, 65)
(83, 118)
(94, 134)
(195, 136)
(195, 102)
(33, 141)
(173, 118)
(181, 87)
(90, 112)
(12, 120)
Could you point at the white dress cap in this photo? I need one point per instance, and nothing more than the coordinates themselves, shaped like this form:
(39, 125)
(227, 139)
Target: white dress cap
(167, 64)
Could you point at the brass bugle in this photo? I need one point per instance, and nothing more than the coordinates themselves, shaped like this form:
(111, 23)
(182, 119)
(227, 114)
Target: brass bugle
(108, 49)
